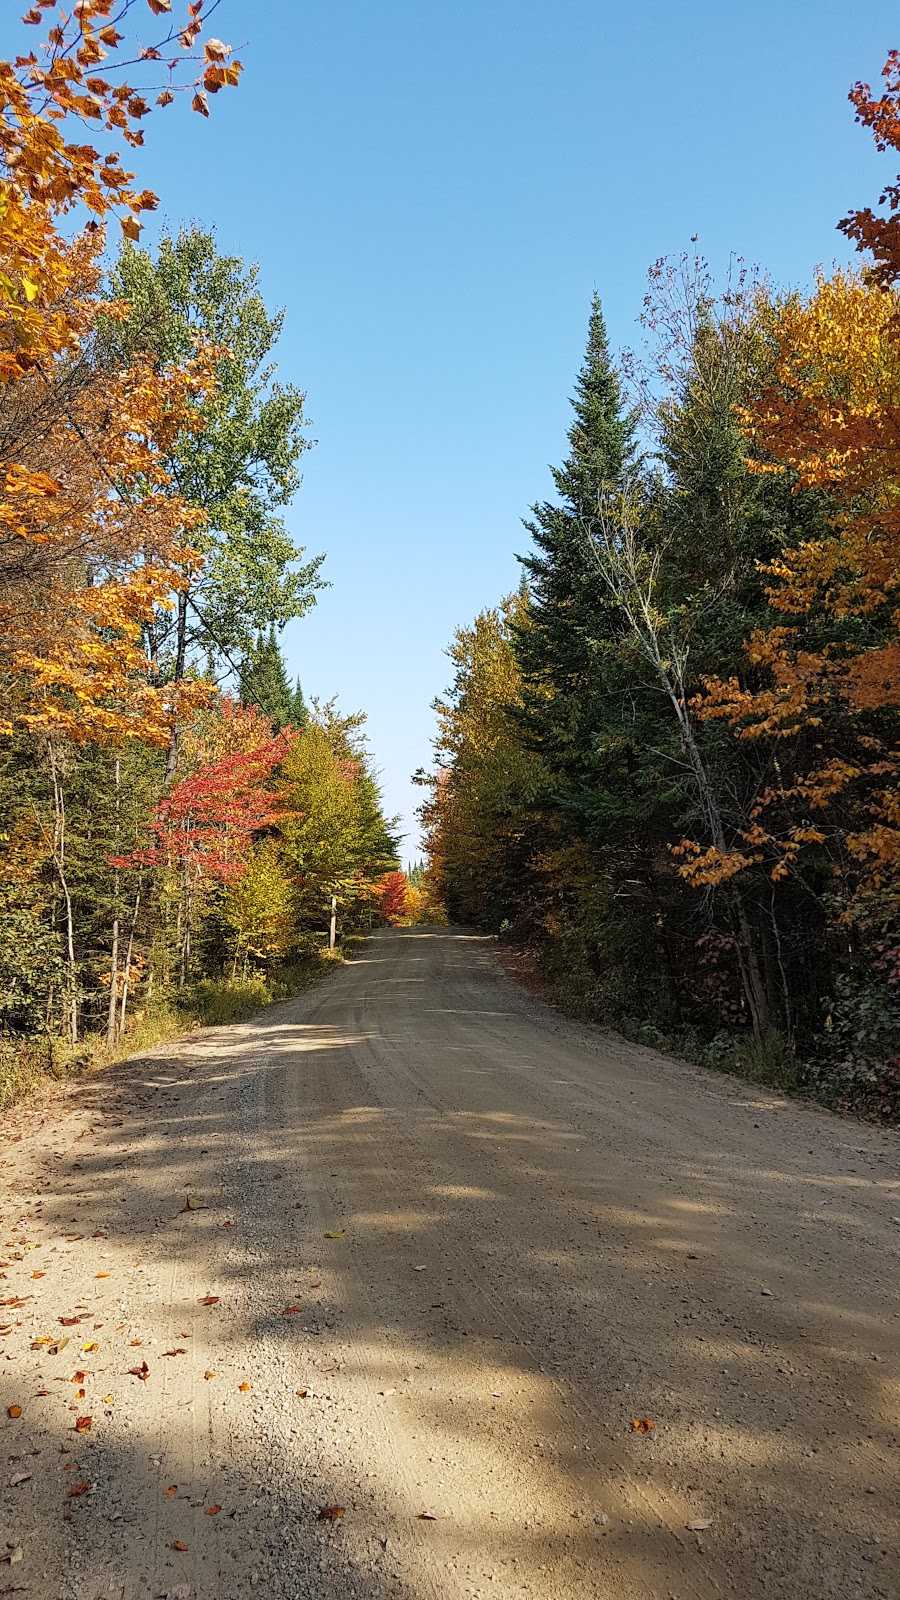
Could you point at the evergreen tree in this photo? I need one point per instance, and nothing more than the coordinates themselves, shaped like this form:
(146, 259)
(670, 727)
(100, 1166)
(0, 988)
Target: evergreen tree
(559, 641)
(299, 708)
(264, 682)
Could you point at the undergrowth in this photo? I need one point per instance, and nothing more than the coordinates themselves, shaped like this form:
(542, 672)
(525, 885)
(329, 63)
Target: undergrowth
(212, 1002)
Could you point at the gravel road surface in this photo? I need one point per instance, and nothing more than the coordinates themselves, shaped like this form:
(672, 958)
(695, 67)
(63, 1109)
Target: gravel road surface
(364, 1297)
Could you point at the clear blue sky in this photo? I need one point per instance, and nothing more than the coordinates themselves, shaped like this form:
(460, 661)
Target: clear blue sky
(433, 191)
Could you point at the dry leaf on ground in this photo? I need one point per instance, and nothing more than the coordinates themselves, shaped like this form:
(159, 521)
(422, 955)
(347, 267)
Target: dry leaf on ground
(331, 1513)
(642, 1425)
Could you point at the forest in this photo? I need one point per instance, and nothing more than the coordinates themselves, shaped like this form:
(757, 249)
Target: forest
(667, 766)
(175, 821)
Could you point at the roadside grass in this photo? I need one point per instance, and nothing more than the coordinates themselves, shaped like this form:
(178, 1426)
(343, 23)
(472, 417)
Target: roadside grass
(26, 1064)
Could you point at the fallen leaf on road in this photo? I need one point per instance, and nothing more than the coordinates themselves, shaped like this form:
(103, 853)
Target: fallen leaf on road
(14, 1411)
(177, 1545)
(208, 1375)
(79, 1488)
(17, 1478)
(339, 1233)
(107, 1399)
(175, 1352)
(209, 1300)
(699, 1526)
(39, 1274)
(69, 1322)
(78, 1377)
(194, 1205)
(83, 1424)
(243, 1387)
(426, 1516)
(212, 1511)
(142, 1372)
(642, 1425)
(101, 1274)
(172, 1489)
(290, 1311)
(134, 1342)
(331, 1513)
(86, 1347)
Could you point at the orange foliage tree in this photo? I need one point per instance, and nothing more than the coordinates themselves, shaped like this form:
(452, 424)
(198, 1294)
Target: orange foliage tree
(88, 538)
(823, 679)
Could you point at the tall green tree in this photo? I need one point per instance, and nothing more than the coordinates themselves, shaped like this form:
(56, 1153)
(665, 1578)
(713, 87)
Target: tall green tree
(264, 682)
(559, 644)
(242, 466)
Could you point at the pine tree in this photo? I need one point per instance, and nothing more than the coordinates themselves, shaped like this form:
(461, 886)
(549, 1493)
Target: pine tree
(559, 644)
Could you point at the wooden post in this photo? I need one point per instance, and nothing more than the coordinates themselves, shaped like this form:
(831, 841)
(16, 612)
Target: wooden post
(333, 921)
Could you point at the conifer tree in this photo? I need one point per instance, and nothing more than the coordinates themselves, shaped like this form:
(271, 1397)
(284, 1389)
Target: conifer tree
(264, 682)
(558, 644)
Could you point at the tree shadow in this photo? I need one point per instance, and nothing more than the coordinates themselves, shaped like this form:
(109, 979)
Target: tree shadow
(603, 1240)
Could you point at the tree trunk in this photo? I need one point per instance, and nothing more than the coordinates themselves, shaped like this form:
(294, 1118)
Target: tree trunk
(59, 861)
(126, 978)
(114, 963)
(180, 654)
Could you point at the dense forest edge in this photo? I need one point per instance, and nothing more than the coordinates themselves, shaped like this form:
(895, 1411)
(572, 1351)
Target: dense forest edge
(182, 838)
(667, 766)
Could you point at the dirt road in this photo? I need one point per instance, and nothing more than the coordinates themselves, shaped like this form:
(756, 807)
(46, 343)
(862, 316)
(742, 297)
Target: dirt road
(542, 1234)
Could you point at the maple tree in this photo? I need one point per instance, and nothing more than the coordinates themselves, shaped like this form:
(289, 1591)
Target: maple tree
(81, 564)
(392, 897)
(825, 670)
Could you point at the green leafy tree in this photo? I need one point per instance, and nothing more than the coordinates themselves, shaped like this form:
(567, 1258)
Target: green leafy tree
(242, 467)
(336, 839)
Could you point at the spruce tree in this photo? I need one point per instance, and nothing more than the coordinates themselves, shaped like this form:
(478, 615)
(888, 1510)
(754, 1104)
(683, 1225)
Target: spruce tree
(559, 645)
(299, 711)
(264, 682)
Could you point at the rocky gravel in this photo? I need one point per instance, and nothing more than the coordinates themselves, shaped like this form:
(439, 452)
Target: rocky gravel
(411, 1288)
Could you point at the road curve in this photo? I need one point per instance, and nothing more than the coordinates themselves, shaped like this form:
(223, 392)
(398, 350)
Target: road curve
(542, 1235)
